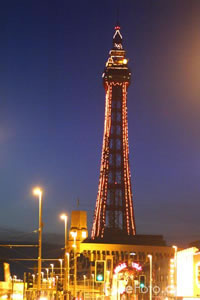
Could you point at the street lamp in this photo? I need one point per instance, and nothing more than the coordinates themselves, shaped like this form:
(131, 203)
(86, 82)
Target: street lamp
(47, 270)
(108, 275)
(117, 286)
(60, 260)
(67, 255)
(52, 266)
(84, 277)
(92, 286)
(64, 217)
(33, 275)
(175, 264)
(150, 285)
(38, 192)
(13, 280)
(107, 280)
(74, 235)
(42, 274)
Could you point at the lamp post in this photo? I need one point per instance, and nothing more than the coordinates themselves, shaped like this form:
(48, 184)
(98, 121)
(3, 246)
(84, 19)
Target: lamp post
(150, 285)
(67, 255)
(33, 275)
(117, 286)
(64, 217)
(60, 260)
(52, 266)
(93, 286)
(38, 192)
(13, 280)
(84, 277)
(175, 264)
(108, 281)
(74, 235)
(42, 274)
(47, 270)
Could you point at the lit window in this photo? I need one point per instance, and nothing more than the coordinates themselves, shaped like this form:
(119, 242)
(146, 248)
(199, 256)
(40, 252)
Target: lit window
(84, 234)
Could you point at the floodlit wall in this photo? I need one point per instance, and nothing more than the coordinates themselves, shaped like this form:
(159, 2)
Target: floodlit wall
(186, 272)
(79, 219)
(197, 274)
(78, 229)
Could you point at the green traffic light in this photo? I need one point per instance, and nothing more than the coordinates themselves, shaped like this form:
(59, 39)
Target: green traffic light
(99, 277)
(142, 285)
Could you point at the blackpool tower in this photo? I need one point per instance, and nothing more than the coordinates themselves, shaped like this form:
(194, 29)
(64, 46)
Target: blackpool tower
(114, 213)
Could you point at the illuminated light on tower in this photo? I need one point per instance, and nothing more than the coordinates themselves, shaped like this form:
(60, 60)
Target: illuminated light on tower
(114, 213)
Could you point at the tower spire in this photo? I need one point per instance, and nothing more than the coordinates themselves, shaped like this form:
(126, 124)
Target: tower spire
(117, 23)
(117, 38)
(114, 214)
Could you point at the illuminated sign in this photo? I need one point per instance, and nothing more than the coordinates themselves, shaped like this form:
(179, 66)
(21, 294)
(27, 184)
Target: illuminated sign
(136, 266)
(118, 46)
(120, 268)
(123, 266)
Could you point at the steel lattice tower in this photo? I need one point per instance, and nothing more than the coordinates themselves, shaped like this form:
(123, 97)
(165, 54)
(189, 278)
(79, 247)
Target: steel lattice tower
(114, 212)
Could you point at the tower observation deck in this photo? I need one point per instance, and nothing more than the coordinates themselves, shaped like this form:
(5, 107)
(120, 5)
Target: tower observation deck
(114, 213)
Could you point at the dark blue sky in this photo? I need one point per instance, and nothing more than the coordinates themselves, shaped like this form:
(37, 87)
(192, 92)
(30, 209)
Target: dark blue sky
(52, 55)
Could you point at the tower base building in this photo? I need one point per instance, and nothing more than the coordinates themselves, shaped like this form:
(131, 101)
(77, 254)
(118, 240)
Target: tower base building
(125, 260)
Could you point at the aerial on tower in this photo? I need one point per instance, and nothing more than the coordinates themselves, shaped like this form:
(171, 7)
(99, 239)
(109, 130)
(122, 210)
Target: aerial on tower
(114, 213)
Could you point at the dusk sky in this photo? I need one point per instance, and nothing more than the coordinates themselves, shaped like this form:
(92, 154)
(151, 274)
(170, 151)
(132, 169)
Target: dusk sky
(52, 56)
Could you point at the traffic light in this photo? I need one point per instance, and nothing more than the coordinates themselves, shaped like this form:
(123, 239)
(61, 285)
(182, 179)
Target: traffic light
(29, 280)
(142, 281)
(100, 270)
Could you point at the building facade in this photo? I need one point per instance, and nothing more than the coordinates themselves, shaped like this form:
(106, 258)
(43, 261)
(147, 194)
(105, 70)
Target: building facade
(188, 273)
(124, 262)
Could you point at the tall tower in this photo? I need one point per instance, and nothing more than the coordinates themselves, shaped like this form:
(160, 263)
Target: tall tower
(114, 214)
